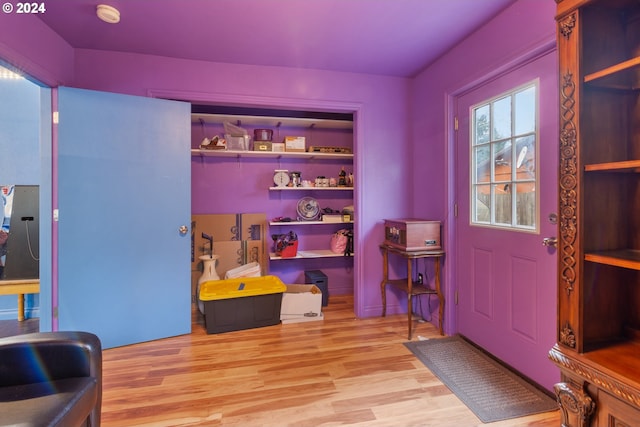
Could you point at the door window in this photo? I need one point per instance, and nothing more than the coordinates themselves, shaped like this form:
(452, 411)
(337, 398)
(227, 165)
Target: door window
(504, 136)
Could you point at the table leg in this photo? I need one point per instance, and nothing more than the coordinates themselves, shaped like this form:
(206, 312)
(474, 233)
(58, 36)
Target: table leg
(385, 277)
(20, 307)
(440, 297)
(409, 295)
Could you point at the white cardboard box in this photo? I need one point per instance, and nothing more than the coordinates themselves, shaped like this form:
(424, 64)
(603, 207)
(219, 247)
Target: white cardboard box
(294, 143)
(301, 303)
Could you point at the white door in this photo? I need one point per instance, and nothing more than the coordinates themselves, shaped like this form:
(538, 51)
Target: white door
(506, 278)
(123, 193)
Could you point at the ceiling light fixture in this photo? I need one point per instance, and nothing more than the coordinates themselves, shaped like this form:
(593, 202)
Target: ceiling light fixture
(108, 13)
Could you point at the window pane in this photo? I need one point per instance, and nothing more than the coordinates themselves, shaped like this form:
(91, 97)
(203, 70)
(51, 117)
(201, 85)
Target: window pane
(483, 164)
(502, 118)
(525, 110)
(481, 125)
(482, 211)
(526, 158)
(502, 161)
(503, 204)
(526, 204)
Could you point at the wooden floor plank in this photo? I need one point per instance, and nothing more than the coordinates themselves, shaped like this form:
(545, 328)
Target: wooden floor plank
(337, 371)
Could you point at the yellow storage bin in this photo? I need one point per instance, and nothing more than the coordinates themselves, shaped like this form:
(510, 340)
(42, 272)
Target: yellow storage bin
(242, 303)
(241, 287)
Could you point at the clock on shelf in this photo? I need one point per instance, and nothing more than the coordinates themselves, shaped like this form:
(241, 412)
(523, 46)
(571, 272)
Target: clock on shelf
(281, 177)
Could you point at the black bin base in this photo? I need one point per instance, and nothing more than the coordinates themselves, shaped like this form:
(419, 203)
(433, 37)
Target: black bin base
(234, 314)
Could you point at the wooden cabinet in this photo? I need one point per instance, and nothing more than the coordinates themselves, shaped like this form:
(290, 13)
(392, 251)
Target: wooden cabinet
(598, 348)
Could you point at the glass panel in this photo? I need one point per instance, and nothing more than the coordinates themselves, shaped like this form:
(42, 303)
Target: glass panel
(526, 204)
(525, 111)
(502, 118)
(482, 205)
(483, 164)
(526, 158)
(481, 125)
(504, 166)
(503, 204)
(502, 161)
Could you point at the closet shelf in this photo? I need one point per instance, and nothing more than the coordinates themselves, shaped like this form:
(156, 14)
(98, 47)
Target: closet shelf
(313, 253)
(270, 154)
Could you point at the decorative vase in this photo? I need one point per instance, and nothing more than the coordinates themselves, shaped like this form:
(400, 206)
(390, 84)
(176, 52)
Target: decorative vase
(208, 273)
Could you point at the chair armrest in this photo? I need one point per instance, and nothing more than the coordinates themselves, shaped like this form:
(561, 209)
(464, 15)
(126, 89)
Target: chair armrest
(49, 356)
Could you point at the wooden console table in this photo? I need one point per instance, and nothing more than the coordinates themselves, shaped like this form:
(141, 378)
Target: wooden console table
(407, 285)
(20, 287)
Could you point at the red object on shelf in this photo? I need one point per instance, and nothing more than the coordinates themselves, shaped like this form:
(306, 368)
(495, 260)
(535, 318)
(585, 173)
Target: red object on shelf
(290, 251)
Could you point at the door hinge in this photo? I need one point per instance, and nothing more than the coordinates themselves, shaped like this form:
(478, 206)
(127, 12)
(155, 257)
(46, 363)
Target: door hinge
(455, 297)
(455, 123)
(56, 117)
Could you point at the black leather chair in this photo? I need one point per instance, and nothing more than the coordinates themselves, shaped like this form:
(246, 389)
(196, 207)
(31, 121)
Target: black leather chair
(51, 379)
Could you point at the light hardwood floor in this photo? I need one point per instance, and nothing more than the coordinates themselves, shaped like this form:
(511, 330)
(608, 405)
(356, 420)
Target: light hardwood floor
(338, 371)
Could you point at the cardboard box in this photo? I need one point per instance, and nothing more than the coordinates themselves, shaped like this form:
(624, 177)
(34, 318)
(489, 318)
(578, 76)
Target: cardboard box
(277, 146)
(253, 226)
(301, 303)
(228, 228)
(295, 143)
(222, 227)
(238, 239)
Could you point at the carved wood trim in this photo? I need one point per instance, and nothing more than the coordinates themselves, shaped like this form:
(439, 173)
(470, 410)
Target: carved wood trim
(568, 183)
(567, 336)
(566, 25)
(576, 405)
(612, 386)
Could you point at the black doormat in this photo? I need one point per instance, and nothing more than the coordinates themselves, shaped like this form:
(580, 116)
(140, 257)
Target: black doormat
(492, 391)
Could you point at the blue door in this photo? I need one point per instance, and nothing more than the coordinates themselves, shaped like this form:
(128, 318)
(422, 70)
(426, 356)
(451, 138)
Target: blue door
(123, 195)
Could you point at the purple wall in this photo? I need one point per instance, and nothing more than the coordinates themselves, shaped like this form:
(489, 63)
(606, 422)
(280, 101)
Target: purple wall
(401, 134)
(483, 55)
(28, 44)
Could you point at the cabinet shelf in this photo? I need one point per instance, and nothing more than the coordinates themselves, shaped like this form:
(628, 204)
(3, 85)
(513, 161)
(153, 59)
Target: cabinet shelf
(624, 166)
(615, 76)
(625, 258)
(294, 223)
(311, 253)
(270, 154)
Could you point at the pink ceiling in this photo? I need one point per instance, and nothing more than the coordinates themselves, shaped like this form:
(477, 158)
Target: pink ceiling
(387, 37)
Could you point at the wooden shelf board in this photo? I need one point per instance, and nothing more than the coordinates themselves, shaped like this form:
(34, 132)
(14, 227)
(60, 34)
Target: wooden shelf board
(310, 253)
(625, 258)
(620, 360)
(416, 288)
(614, 69)
(270, 154)
(624, 166)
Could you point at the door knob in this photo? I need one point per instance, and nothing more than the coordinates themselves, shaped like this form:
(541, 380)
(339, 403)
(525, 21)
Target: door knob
(550, 242)
(183, 229)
